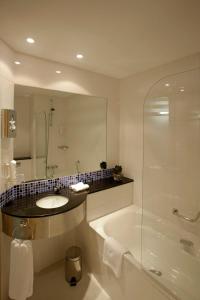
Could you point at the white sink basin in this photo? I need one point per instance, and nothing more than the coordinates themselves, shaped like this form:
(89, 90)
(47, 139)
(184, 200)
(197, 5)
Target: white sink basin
(53, 201)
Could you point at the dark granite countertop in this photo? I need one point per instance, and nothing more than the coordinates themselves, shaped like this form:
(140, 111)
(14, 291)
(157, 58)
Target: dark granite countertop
(107, 183)
(26, 207)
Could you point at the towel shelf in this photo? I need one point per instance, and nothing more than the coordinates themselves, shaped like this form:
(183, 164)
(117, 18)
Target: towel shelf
(42, 227)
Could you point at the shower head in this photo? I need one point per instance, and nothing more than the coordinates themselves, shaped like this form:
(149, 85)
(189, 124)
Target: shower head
(51, 105)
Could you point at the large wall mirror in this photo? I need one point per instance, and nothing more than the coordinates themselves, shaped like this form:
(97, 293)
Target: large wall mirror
(58, 133)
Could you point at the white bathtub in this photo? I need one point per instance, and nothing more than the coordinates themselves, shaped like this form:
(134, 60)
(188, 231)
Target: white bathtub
(124, 226)
(161, 249)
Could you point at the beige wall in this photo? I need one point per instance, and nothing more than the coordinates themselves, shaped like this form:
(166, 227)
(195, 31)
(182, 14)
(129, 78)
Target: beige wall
(133, 91)
(6, 101)
(6, 97)
(22, 143)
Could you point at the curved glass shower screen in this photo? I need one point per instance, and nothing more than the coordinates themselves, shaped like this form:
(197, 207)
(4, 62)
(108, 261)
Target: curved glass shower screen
(171, 184)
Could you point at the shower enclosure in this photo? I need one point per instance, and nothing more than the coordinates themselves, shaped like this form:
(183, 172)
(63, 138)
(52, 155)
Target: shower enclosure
(43, 121)
(171, 184)
(39, 145)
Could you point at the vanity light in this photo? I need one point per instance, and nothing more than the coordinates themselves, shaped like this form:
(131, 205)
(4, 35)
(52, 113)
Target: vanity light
(58, 72)
(17, 62)
(164, 113)
(79, 56)
(30, 40)
(167, 84)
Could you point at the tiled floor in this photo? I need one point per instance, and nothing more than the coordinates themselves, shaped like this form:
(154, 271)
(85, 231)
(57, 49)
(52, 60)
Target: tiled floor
(50, 285)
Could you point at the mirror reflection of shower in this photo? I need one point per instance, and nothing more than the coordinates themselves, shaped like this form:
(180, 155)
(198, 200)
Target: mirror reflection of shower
(50, 168)
(51, 112)
(77, 164)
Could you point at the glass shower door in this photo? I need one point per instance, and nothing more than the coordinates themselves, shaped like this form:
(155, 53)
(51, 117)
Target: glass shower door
(40, 145)
(171, 184)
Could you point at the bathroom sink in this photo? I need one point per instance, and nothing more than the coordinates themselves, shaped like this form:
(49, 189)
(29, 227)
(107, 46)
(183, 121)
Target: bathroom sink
(53, 201)
(44, 216)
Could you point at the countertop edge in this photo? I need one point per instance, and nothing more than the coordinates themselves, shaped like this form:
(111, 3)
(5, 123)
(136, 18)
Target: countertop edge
(95, 187)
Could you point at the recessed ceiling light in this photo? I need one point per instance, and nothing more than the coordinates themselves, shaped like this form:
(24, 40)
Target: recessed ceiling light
(17, 62)
(182, 89)
(58, 72)
(30, 40)
(167, 84)
(79, 56)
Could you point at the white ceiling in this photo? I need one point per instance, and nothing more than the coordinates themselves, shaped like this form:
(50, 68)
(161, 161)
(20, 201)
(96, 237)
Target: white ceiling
(117, 37)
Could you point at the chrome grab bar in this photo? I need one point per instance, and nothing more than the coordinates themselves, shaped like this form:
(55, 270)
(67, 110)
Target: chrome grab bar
(192, 220)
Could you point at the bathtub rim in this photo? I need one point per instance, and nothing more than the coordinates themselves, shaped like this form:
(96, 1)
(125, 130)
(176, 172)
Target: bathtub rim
(98, 226)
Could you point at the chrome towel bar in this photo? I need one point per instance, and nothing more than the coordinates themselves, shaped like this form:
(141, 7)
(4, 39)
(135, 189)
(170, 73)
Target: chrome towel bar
(191, 220)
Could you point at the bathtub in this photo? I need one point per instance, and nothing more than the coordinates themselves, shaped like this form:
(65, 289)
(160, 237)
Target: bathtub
(161, 255)
(124, 226)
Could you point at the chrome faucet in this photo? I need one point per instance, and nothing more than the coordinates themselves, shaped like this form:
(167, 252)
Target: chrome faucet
(57, 189)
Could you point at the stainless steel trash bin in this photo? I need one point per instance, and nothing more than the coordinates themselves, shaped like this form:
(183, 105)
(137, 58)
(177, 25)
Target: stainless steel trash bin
(73, 265)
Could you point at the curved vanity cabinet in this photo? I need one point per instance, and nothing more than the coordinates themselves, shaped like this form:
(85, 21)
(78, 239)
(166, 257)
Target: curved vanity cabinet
(23, 219)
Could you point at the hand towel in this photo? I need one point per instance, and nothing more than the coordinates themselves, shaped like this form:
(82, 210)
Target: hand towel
(113, 255)
(80, 186)
(21, 270)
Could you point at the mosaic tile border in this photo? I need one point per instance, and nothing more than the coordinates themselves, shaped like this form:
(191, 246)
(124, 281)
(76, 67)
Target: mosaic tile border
(45, 185)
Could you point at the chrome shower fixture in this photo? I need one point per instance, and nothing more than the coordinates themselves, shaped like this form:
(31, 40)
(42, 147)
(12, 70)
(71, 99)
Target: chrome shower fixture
(52, 109)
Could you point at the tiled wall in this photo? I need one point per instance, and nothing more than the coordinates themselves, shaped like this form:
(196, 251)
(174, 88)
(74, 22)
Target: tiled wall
(41, 186)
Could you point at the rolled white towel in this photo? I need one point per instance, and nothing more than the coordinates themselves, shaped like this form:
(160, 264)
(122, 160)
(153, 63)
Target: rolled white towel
(80, 186)
(21, 270)
(113, 254)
